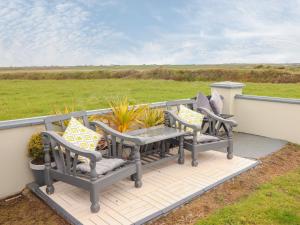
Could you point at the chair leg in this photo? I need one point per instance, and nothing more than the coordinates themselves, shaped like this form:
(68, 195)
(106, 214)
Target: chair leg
(137, 157)
(48, 179)
(194, 163)
(230, 150)
(181, 151)
(94, 198)
(133, 177)
(194, 152)
(50, 187)
(194, 158)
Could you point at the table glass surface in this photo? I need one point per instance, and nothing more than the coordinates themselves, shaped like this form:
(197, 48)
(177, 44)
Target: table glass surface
(154, 132)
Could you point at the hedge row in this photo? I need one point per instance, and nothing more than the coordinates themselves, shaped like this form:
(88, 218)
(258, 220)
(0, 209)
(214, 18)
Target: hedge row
(261, 76)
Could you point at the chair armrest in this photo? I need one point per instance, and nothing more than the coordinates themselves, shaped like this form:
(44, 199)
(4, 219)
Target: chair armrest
(174, 116)
(115, 133)
(92, 155)
(226, 116)
(209, 114)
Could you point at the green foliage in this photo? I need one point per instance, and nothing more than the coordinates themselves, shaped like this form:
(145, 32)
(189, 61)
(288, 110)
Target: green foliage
(275, 203)
(123, 118)
(151, 117)
(35, 147)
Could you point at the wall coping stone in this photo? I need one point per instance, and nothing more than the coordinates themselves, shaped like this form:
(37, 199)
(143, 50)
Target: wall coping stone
(269, 99)
(228, 85)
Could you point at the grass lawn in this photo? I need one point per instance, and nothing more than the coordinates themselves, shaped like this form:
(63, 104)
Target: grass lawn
(277, 202)
(27, 98)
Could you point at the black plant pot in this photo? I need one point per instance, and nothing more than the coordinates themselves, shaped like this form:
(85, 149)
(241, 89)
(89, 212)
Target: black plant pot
(39, 172)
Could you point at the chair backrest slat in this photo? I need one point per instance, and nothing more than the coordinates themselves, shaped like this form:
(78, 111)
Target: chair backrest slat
(120, 147)
(85, 121)
(62, 124)
(62, 159)
(74, 167)
(68, 162)
(108, 144)
(58, 162)
(114, 146)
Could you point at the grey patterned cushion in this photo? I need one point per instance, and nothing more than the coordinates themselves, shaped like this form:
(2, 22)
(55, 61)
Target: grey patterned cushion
(202, 101)
(103, 166)
(202, 138)
(216, 103)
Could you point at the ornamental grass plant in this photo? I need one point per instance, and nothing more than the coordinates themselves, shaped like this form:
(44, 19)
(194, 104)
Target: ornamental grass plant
(151, 117)
(123, 117)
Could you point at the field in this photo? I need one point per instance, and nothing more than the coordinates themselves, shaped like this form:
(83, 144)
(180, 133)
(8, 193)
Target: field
(27, 98)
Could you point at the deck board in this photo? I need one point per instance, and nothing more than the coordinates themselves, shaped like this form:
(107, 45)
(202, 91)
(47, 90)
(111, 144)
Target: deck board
(163, 186)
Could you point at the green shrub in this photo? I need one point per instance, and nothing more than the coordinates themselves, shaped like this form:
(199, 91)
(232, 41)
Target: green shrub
(36, 149)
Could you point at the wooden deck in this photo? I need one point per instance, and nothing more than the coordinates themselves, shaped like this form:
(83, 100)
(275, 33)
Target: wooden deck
(164, 188)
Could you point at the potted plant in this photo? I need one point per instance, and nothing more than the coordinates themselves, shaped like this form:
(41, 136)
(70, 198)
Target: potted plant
(151, 117)
(123, 117)
(36, 153)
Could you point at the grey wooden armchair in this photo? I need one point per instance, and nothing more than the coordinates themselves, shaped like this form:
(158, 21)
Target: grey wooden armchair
(202, 101)
(197, 142)
(66, 155)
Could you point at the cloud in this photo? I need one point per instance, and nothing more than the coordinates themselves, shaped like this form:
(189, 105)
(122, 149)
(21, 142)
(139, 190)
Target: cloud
(50, 33)
(61, 32)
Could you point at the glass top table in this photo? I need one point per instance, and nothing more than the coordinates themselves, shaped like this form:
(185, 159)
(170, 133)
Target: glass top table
(160, 136)
(157, 133)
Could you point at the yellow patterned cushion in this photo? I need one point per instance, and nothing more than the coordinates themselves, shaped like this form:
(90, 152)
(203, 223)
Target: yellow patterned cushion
(190, 116)
(81, 136)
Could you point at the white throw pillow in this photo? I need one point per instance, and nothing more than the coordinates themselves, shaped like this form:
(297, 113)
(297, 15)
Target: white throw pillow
(216, 103)
(81, 136)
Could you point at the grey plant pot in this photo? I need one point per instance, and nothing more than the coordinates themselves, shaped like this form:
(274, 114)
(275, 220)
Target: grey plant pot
(38, 172)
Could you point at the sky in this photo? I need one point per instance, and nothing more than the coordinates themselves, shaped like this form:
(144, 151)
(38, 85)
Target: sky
(105, 32)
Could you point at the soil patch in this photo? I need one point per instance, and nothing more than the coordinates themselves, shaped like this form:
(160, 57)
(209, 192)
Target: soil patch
(28, 209)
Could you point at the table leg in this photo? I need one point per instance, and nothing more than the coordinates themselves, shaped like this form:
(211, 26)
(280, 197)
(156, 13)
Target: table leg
(137, 157)
(163, 149)
(181, 151)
